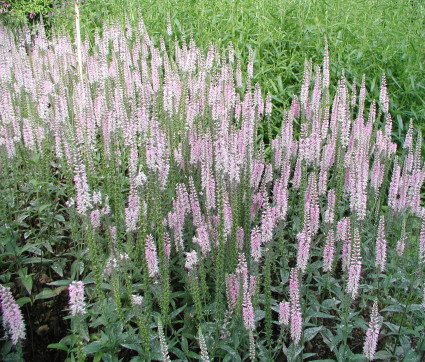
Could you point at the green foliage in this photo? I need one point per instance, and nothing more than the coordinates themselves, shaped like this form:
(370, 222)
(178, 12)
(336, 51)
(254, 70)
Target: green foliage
(18, 12)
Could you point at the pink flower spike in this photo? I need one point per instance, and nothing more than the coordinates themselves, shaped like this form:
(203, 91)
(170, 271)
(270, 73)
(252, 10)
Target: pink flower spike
(372, 334)
(151, 257)
(248, 312)
(77, 304)
(296, 316)
(284, 313)
(381, 246)
(191, 260)
(13, 322)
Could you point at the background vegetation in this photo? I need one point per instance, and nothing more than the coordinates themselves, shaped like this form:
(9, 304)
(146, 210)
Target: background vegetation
(366, 36)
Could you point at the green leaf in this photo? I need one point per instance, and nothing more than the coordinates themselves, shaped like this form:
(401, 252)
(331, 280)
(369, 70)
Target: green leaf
(310, 333)
(385, 355)
(49, 293)
(58, 269)
(22, 301)
(43, 207)
(45, 294)
(93, 347)
(59, 218)
(177, 311)
(26, 281)
(38, 260)
(59, 283)
(393, 308)
(178, 353)
(76, 267)
(133, 346)
(230, 350)
(59, 345)
(415, 308)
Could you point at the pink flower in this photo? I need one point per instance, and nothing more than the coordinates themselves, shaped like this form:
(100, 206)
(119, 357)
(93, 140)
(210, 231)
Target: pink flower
(13, 322)
(248, 312)
(191, 260)
(422, 243)
(284, 313)
(383, 96)
(355, 266)
(163, 342)
(328, 253)
(372, 334)
(256, 243)
(240, 237)
(296, 317)
(381, 245)
(232, 283)
(77, 304)
(151, 256)
(95, 219)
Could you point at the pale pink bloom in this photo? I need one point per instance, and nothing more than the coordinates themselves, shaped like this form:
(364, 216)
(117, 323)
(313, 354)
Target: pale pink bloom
(296, 316)
(325, 82)
(284, 313)
(401, 243)
(169, 29)
(383, 95)
(83, 199)
(268, 105)
(267, 224)
(328, 253)
(304, 243)
(132, 212)
(231, 53)
(163, 342)
(97, 198)
(191, 260)
(381, 245)
(95, 219)
(202, 239)
(295, 107)
(355, 266)
(232, 291)
(151, 257)
(77, 305)
(256, 242)
(13, 322)
(203, 347)
(408, 141)
(330, 212)
(422, 242)
(372, 334)
(248, 312)
(137, 299)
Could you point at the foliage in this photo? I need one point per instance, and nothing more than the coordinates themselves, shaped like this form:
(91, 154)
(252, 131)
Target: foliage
(16, 13)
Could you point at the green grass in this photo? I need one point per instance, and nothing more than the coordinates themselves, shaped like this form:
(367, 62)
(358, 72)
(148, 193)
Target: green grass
(365, 36)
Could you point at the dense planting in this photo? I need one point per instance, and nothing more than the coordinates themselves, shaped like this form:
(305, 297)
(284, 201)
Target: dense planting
(138, 202)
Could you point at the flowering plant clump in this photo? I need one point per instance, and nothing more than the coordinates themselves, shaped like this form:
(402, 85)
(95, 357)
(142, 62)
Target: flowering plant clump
(195, 237)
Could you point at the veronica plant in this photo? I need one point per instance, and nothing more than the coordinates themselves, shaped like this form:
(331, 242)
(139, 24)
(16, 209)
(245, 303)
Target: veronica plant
(188, 230)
